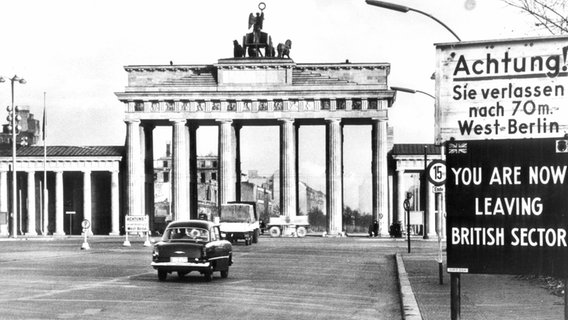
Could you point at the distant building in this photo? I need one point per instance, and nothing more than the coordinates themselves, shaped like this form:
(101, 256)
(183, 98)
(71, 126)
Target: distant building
(29, 134)
(261, 196)
(310, 199)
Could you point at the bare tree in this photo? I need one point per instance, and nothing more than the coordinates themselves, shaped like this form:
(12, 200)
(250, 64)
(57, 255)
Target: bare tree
(550, 14)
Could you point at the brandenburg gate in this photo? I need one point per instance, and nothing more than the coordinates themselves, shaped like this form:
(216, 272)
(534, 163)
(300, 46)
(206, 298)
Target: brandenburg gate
(255, 90)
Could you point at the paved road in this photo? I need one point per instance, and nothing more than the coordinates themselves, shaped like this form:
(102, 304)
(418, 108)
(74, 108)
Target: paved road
(278, 278)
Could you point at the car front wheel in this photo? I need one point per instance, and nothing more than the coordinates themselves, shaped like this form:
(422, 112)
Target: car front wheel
(162, 275)
(208, 274)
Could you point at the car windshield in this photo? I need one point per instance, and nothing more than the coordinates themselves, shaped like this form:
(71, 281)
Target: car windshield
(186, 233)
(235, 214)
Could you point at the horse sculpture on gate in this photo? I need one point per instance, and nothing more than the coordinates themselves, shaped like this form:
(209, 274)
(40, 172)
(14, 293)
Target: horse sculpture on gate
(284, 49)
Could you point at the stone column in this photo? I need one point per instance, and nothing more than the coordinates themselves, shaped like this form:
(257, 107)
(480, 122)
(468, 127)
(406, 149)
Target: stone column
(238, 162)
(59, 214)
(334, 177)
(180, 162)
(31, 204)
(297, 167)
(133, 159)
(288, 171)
(186, 169)
(193, 190)
(142, 170)
(380, 174)
(149, 173)
(399, 213)
(227, 178)
(114, 205)
(87, 203)
(4, 200)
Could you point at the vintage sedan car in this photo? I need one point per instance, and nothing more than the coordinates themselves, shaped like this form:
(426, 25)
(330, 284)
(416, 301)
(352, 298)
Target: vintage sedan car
(193, 245)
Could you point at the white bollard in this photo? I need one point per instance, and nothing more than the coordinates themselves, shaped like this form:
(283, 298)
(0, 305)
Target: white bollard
(86, 225)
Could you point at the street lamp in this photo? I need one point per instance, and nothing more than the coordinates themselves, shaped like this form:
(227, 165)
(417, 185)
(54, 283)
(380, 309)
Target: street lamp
(407, 90)
(13, 117)
(404, 9)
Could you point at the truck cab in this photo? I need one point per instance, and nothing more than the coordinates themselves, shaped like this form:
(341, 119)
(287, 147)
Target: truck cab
(239, 220)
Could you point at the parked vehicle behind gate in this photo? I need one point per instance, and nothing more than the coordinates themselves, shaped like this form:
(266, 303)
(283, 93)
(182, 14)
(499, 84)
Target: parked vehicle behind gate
(298, 226)
(239, 220)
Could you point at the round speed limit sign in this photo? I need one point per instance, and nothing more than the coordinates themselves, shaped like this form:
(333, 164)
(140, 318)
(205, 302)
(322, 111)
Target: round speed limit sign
(86, 224)
(436, 172)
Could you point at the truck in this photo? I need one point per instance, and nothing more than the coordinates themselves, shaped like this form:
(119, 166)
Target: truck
(296, 226)
(239, 220)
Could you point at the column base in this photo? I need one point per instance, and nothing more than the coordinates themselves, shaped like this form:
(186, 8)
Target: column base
(31, 233)
(289, 231)
(4, 230)
(334, 234)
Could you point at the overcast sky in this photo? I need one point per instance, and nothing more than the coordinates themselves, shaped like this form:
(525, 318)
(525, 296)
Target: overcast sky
(75, 50)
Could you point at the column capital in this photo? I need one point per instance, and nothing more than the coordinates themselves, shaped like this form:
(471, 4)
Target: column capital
(178, 121)
(132, 121)
(192, 125)
(330, 120)
(379, 120)
(221, 121)
(286, 120)
(148, 126)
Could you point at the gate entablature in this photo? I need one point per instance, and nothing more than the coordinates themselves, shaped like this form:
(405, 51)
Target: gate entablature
(257, 89)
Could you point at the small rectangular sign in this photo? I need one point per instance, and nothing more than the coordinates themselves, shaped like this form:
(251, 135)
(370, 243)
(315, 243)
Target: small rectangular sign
(439, 189)
(136, 223)
(70, 212)
(458, 270)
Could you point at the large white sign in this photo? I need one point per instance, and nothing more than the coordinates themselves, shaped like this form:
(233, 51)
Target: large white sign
(136, 223)
(504, 89)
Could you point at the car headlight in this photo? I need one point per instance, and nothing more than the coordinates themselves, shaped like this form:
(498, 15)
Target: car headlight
(156, 251)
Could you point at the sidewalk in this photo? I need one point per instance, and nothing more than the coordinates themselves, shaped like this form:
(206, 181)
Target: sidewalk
(482, 296)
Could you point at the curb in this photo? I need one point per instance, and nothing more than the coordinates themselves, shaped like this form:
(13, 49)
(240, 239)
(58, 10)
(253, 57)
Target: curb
(410, 310)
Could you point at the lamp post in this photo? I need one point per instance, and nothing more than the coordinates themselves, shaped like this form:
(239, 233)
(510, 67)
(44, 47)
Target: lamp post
(454, 277)
(404, 9)
(13, 117)
(438, 195)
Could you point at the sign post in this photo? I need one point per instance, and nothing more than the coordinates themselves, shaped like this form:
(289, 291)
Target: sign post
(436, 173)
(71, 214)
(407, 208)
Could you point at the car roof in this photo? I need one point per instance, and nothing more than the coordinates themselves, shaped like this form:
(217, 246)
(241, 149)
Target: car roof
(191, 223)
